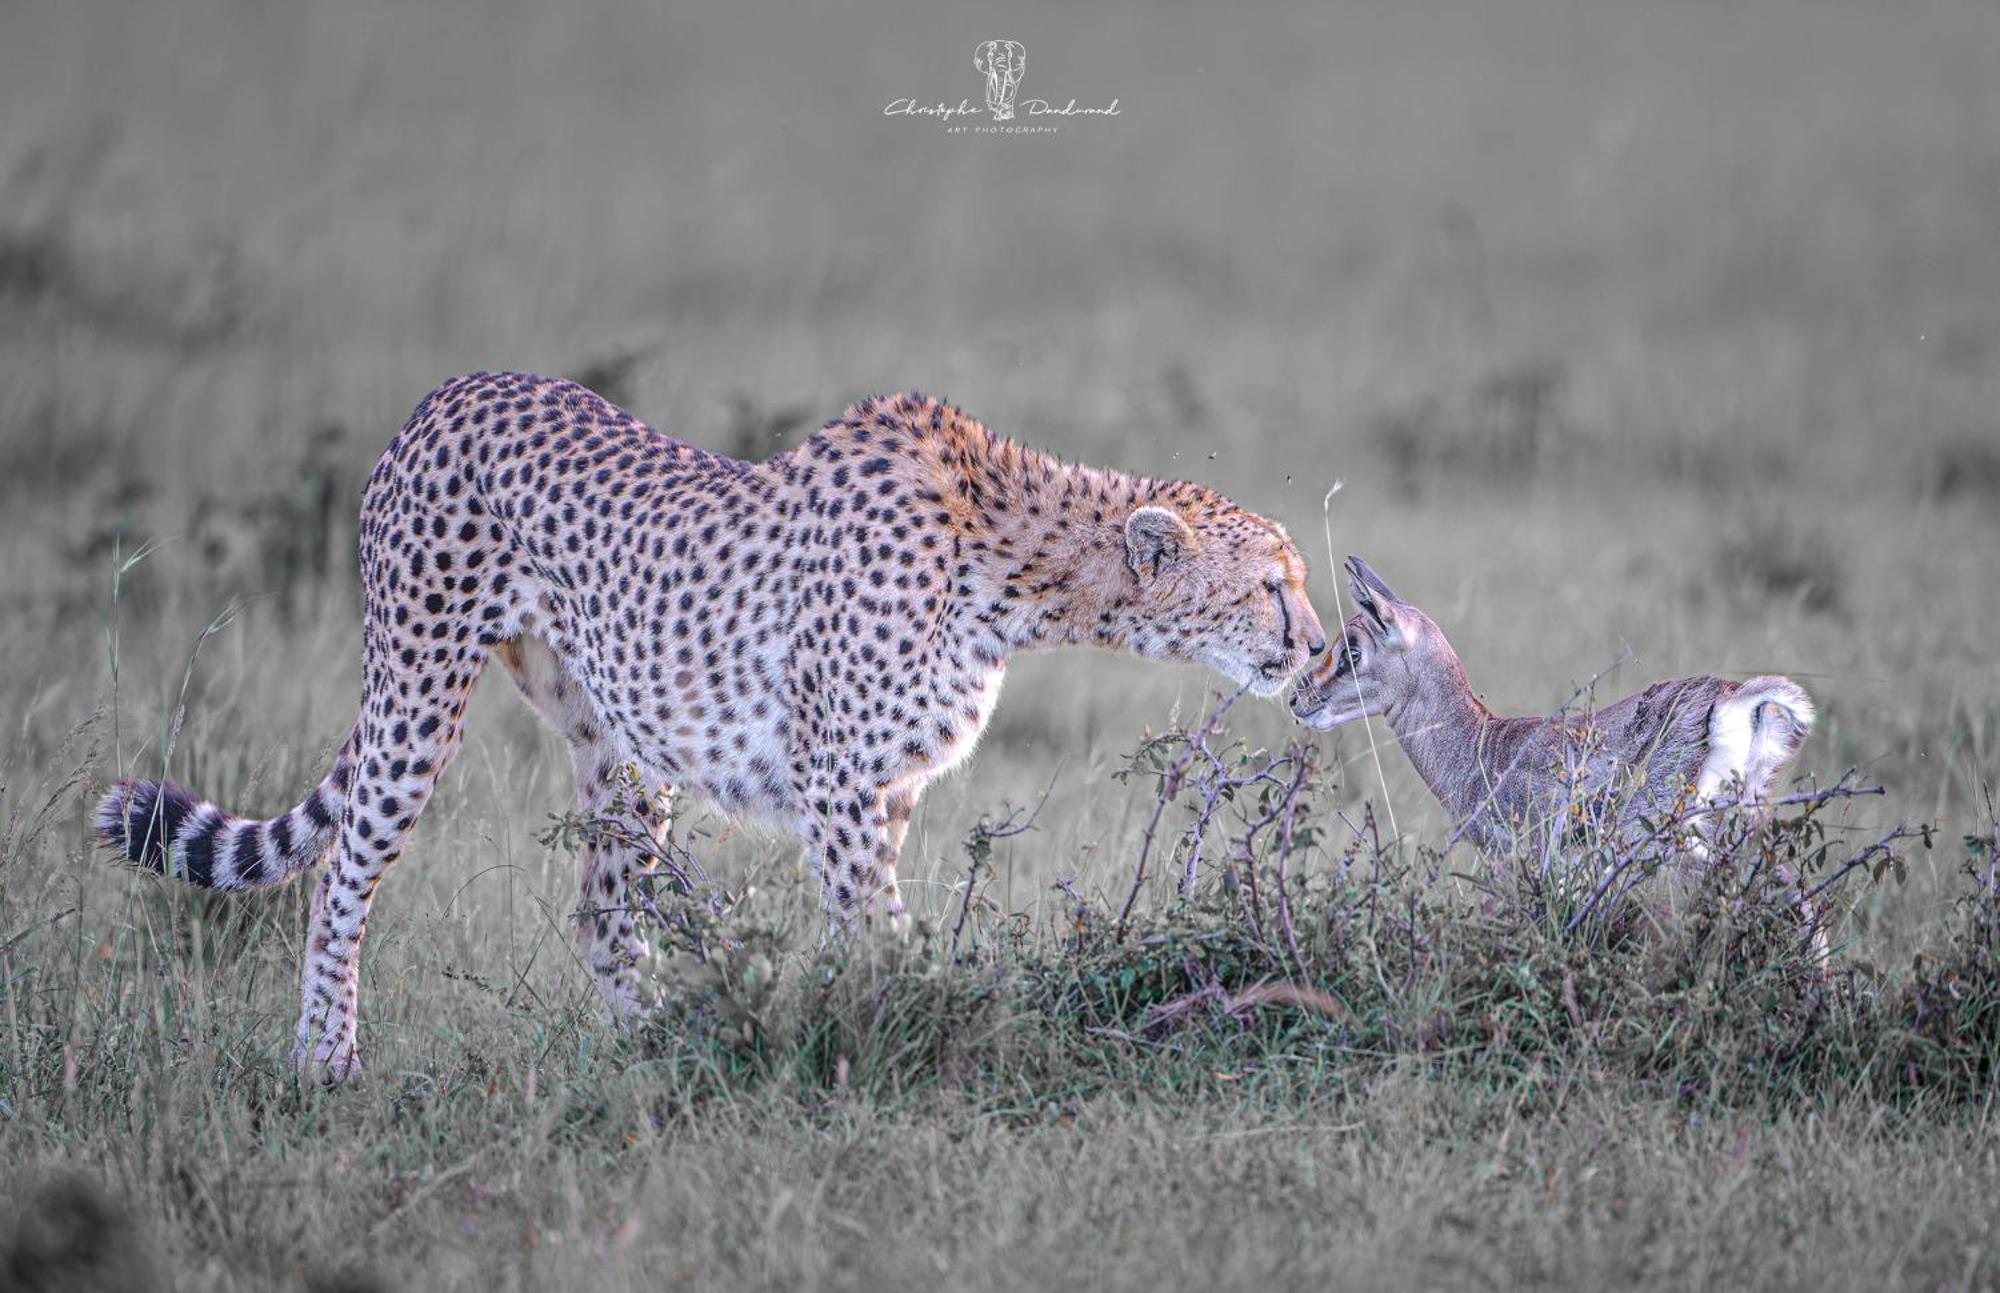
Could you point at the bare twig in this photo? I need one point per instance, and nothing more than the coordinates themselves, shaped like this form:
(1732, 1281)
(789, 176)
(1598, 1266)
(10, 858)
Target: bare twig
(1291, 806)
(1082, 915)
(979, 848)
(1880, 848)
(663, 859)
(1171, 779)
(1239, 1006)
(1645, 851)
(1218, 788)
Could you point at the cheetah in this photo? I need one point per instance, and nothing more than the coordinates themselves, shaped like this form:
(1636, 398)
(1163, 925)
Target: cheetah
(809, 639)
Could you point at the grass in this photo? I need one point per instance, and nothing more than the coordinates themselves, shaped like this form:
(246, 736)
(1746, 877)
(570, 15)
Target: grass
(1669, 331)
(1046, 1101)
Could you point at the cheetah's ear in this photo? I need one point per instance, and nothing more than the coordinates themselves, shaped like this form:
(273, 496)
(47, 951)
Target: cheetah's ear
(1155, 538)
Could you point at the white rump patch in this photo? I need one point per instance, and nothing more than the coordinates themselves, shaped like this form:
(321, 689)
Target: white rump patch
(1752, 735)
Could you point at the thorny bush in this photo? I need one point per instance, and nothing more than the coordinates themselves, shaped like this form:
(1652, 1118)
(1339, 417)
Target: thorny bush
(1297, 941)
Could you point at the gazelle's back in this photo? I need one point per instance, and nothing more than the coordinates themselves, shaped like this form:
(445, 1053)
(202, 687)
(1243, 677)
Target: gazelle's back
(1645, 751)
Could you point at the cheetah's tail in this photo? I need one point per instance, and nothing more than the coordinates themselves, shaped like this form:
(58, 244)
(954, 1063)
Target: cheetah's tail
(165, 828)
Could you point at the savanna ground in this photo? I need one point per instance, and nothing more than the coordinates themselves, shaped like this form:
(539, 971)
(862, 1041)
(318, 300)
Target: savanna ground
(1674, 329)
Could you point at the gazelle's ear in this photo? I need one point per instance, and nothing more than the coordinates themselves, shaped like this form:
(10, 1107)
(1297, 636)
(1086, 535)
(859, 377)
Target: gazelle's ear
(1373, 596)
(1362, 571)
(1155, 538)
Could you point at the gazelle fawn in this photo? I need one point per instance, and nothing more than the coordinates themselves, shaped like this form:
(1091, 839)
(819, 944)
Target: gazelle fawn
(1655, 767)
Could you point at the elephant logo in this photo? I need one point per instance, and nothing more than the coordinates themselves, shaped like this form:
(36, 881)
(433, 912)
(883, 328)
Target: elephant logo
(1001, 62)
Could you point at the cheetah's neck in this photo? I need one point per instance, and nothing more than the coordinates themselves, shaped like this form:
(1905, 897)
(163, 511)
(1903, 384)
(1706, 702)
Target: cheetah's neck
(1046, 539)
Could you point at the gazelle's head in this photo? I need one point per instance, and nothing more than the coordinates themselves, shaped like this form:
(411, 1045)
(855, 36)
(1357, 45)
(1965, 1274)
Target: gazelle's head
(1388, 652)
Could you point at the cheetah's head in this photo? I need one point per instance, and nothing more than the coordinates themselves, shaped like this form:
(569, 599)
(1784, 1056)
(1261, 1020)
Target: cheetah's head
(1221, 587)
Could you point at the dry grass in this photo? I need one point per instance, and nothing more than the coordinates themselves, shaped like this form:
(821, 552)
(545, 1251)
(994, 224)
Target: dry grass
(1664, 328)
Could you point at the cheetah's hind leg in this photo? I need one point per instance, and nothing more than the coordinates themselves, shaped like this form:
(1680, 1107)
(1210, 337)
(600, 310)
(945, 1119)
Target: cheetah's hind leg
(626, 813)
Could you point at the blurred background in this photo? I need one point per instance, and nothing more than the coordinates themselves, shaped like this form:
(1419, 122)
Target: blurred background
(1669, 328)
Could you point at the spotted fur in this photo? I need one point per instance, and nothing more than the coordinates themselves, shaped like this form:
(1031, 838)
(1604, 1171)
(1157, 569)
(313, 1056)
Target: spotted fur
(810, 639)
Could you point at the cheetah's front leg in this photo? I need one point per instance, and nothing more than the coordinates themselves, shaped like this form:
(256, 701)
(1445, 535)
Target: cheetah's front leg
(852, 845)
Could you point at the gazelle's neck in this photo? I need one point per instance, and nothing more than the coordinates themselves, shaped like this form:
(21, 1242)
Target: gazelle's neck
(1442, 726)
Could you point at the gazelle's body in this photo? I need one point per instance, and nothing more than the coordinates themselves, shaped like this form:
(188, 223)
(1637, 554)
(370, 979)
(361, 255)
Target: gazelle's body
(1645, 766)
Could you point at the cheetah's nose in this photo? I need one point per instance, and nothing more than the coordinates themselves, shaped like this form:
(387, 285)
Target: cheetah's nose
(1314, 647)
